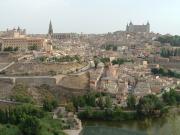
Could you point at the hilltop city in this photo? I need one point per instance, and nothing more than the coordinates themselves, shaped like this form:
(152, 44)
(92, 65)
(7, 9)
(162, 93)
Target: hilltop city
(87, 73)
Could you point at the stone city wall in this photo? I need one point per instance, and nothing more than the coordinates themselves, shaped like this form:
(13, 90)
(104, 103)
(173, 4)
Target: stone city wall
(36, 81)
(42, 69)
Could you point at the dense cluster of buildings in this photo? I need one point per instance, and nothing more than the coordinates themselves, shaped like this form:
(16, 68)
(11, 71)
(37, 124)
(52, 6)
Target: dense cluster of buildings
(136, 44)
(17, 38)
(129, 78)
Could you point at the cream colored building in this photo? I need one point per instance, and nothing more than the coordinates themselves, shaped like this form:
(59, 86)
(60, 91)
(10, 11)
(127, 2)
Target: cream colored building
(17, 38)
(22, 43)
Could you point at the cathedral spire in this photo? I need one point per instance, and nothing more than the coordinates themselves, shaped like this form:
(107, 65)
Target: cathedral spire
(130, 23)
(50, 31)
(148, 23)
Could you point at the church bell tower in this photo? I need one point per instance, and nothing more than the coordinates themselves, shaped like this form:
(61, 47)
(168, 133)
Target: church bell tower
(50, 31)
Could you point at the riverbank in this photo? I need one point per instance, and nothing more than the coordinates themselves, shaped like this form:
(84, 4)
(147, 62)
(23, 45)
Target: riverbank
(157, 126)
(165, 125)
(108, 115)
(75, 131)
(72, 132)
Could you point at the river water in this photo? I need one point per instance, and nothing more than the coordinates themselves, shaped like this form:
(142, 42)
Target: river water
(169, 125)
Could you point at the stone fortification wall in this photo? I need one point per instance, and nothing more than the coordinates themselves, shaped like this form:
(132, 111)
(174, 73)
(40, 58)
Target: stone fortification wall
(6, 85)
(36, 81)
(42, 68)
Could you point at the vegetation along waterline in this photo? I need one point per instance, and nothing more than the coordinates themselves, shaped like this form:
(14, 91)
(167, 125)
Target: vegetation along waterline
(99, 106)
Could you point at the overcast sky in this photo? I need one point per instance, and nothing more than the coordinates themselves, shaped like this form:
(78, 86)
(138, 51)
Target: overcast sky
(90, 16)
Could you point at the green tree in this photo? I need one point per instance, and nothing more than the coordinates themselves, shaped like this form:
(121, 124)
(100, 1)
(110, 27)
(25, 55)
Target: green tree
(8, 49)
(155, 71)
(105, 60)
(30, 126)
(20, 94)
(171, 97)
(54, 103)
(90, 99)
(33, 47)
(49, 105)
(173, 40)
(42, 59)
(16, 49)
(149, 105)
(96, 62)
(75, 102)
(161, 71)
(119, 61)
(131, 101)
(89, 112)
(70, 107)
(101, 102)
(108, 102)
(82, 102)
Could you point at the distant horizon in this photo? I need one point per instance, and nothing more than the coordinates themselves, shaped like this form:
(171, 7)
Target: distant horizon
(10, 28)
(89, 17)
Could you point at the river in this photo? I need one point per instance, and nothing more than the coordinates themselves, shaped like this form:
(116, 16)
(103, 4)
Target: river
(169, 125)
